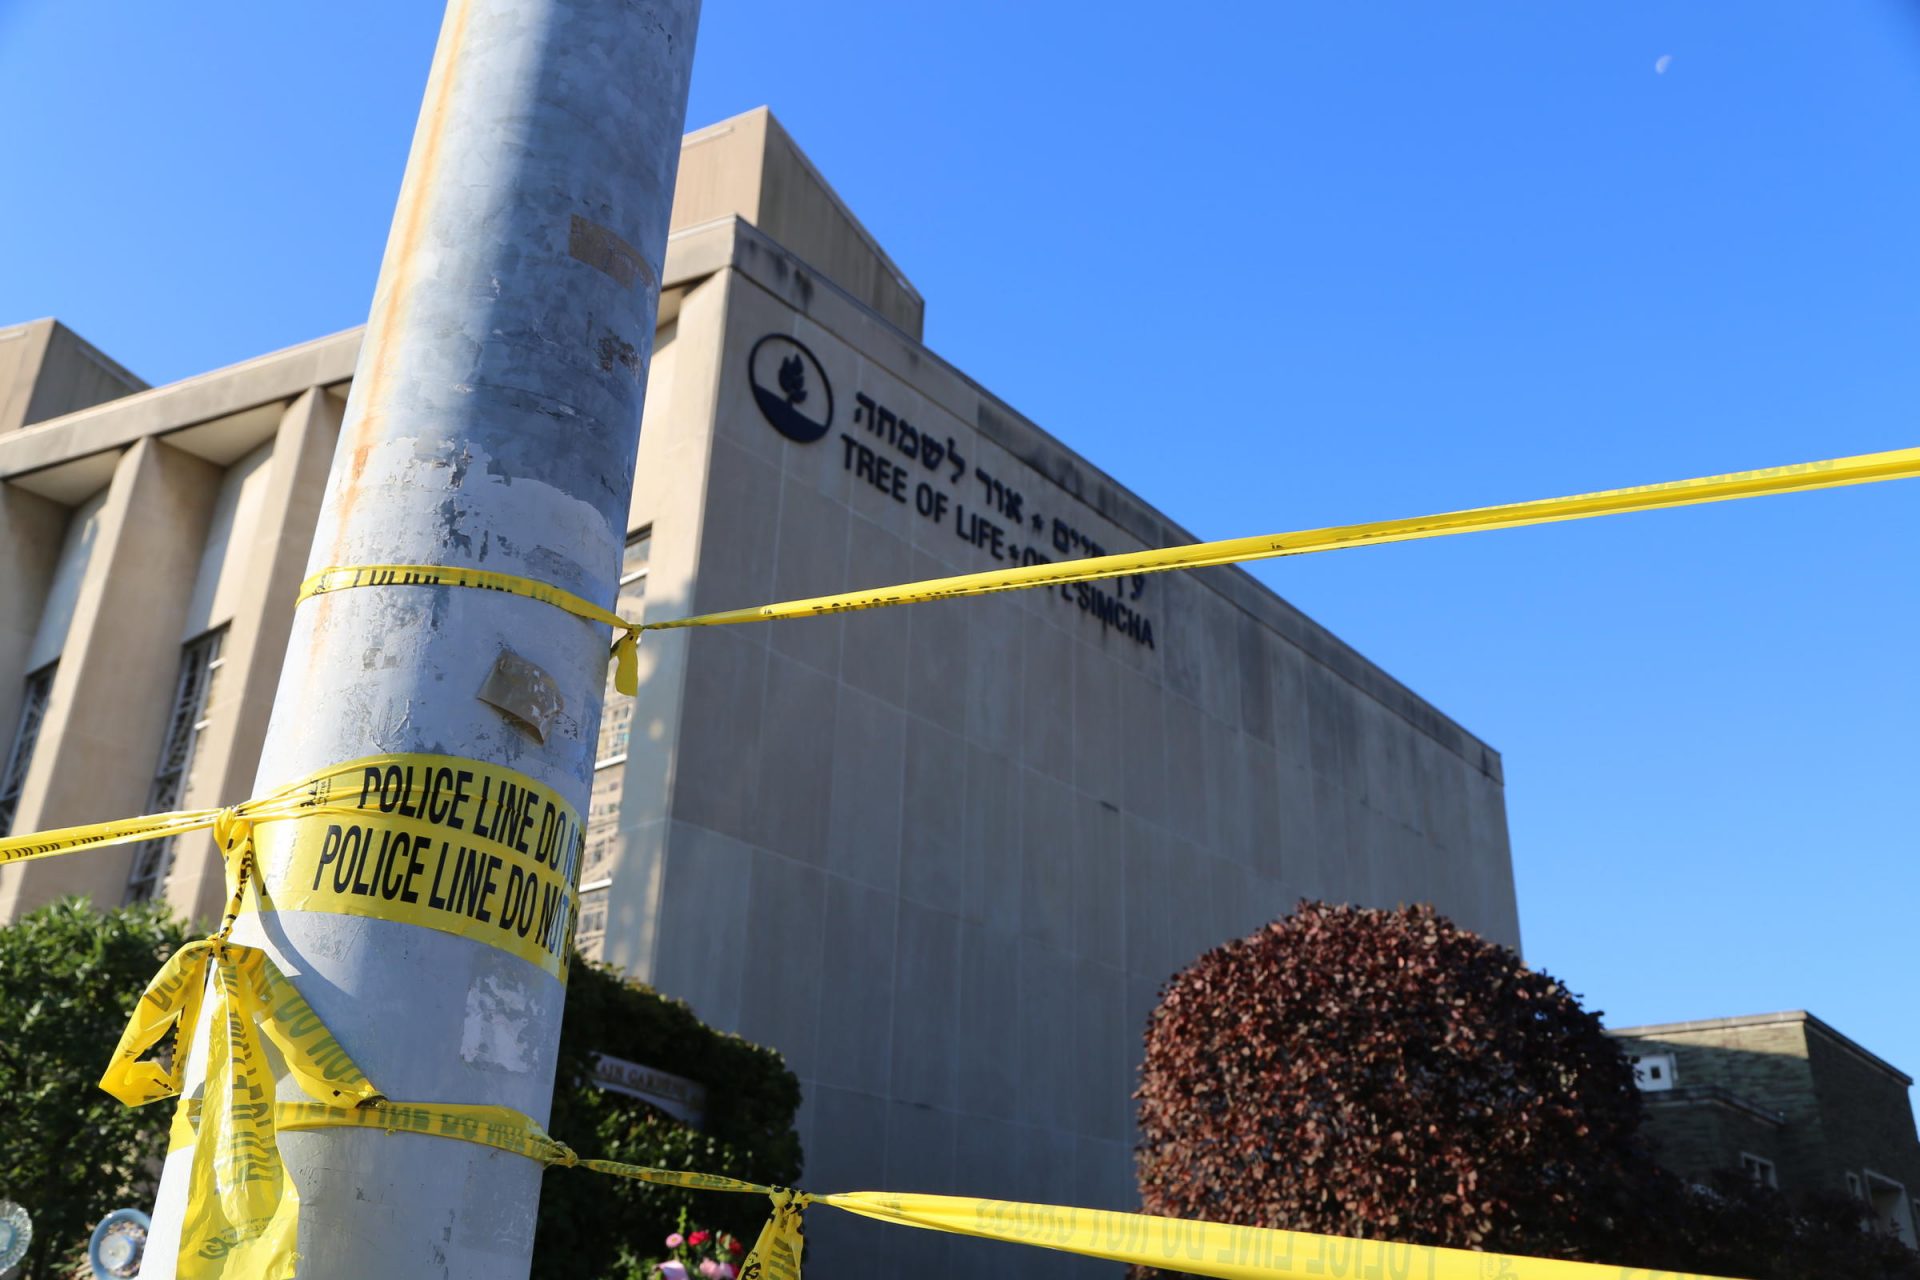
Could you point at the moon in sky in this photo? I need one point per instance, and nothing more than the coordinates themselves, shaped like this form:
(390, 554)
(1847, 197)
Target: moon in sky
(1661, 64)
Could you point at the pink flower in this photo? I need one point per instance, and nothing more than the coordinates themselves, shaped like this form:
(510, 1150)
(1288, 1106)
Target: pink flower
(709, 1268)
(673, 1271)
(675, 1240)
(724, 1271)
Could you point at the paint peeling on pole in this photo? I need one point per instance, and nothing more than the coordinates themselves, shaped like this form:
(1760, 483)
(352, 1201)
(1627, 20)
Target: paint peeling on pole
(493, 422)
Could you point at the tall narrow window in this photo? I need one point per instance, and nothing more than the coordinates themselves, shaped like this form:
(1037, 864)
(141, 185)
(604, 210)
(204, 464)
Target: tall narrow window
(609, 761)
(33, 711)
(193, 694)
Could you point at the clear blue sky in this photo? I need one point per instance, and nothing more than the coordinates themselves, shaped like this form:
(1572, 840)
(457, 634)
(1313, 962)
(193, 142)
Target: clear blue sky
(1280, 265)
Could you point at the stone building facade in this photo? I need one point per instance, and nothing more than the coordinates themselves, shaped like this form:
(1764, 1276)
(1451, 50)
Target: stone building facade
(1787, 1100)
(941, 856)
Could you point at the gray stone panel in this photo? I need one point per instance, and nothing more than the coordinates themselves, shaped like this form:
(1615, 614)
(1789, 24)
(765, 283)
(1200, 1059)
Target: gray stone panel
(1096, 1031)
(1147, 888)
(793, 766)
(926, 998)
(737, 553)
(1043, 1037)
(715, 766)
(1047, 700)
(933, 851)
(874, 645)
(1047, 858)
(920, 1151)
(1099, 883)
(939, 653)
(857, 981)
(1186, 769)
(990, 674)
(987, 1076)
(708, 876)
(810, 559)
(993, 832)
(864, 809)
(781, 993)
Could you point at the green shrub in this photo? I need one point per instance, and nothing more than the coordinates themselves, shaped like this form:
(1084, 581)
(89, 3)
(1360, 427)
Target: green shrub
(69, 976)
(593, 1225)
(69, 1153)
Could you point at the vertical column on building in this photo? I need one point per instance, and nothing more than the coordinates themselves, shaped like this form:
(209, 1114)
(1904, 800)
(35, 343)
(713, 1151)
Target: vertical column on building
(114, 686)
(256, 643)
(32, 529)
(669, 493)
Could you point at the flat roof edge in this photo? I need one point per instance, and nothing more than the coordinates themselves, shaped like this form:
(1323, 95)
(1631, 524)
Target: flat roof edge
(1766, 1019)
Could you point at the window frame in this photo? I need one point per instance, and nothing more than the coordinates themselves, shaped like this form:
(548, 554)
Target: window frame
(201, 661)
(1763, 1171)
(36, 696)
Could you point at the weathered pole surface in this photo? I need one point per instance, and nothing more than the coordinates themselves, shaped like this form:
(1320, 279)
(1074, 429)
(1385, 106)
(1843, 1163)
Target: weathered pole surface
(493, 423)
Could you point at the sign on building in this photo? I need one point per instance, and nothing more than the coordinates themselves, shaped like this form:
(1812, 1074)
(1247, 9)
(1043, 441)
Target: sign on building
(677, 1096)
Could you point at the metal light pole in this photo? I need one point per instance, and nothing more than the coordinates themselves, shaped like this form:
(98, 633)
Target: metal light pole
(493, 423)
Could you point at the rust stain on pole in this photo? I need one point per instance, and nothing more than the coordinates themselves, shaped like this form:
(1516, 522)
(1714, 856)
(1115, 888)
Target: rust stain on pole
(422, 182)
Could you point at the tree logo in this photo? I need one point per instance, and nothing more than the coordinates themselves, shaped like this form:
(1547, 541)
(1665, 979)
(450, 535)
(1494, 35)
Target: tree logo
(791, 388)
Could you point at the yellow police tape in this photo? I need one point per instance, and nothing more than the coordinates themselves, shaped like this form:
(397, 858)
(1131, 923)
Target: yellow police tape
(485, 853)
(1893, 464)
(242, 1212)
(626, 660)
(1171, 1244)
(472, 849)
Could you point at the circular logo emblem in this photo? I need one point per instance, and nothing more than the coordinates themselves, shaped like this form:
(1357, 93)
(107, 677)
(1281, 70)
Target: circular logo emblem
(791, 388)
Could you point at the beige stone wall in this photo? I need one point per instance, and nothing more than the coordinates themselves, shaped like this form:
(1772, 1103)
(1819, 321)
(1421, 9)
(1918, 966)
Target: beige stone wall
(749, 167)
(971, 839)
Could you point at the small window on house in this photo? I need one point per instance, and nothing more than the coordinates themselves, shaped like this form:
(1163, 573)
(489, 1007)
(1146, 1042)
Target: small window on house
(1652, 1072)
(193, 693)
(1759, 1169)
(1853, 1187)
(26, 733)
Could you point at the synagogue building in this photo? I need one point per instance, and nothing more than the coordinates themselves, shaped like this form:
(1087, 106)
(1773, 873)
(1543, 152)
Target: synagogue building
(941, 856)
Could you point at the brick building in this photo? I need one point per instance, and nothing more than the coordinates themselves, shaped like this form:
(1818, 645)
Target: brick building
(1789, 1101)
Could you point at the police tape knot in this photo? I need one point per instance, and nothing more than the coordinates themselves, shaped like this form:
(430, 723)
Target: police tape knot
(233, 829)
